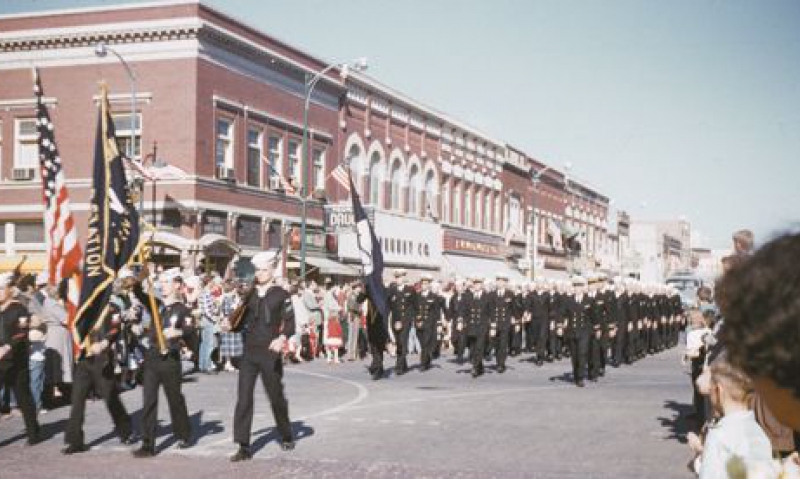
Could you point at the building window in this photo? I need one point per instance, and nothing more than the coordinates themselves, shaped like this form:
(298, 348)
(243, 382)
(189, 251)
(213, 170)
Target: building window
(224, 146)
(275, 161)
(396, 186)
(487, 211)
(26, 149)
(413, 191)
(294, 160)
(319, 168)
(375, 178)
(254, 157)
(430, 201)
(29, 233)
(468, 207)
(123, 127)
(457, 204)
(513, 215)
(478, 208)
(497, 213)
(446, 202)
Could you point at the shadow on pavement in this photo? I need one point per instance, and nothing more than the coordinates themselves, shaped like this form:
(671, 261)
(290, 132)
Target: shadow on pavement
(678, 425)
(564, 378)
(46, 432)
(270, 434)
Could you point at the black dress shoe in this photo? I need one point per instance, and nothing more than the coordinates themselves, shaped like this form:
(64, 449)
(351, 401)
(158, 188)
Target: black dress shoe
(501, 369)
(287, 445)
(594, 380)
(243, 454)
(33, 440)
(144, 451)
(128, 440)
(377, 374)
(73, 449)
(425, 367)
(475, 373)
(580, 383)
(400, 371)
(184, 444)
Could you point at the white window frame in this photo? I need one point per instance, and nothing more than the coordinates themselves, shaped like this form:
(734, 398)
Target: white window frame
(445, 213)
(457, 200)
(28, 139)
(124, 134)
(278, 156)
(258, 145)
(227, 139)
(295, 159)
(318, 167)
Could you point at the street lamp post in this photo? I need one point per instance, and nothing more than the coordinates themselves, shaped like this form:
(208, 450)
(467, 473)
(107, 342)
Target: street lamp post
(101, 50)
(311, 82)
(535, 178)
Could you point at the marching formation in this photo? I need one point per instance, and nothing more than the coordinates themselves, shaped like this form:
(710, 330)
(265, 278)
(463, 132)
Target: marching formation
(593, 321)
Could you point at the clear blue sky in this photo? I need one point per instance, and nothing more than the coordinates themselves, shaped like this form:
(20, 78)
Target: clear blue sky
(690, 107)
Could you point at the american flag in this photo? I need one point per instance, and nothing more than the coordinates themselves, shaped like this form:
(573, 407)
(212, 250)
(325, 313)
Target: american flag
(341, 176)
(64, 251)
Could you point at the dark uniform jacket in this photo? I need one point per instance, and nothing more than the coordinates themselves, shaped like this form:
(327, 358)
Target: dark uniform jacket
(477, 315)
(503, 308)
(458, 308)
(403, 304)
(431, 307)
(618, 310)
(539, 306)
(266, 318)
(14, 322)
(578, 315)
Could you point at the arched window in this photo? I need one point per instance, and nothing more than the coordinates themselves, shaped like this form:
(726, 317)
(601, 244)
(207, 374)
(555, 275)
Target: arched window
(356, 164)
(468, 206)
(497, 213)
(396, 186)
(375, 179)
(414, 191)
(445, 215)
(478, 208)
(457, 204)
(429, 203)
(487, 211)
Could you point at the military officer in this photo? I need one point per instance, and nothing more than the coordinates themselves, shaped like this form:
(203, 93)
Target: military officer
(503, 308)
(539, 312)
(428, 319)
(457, 312)
(403, 302)
(578, 310)
(477, 324)
(618, 332)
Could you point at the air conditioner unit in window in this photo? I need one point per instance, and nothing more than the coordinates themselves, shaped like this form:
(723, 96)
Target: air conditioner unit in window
(23, 174)
(275, 183)
(225, 173)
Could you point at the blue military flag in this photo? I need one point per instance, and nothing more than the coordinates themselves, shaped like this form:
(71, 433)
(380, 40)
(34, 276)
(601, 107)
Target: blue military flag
(371, 255)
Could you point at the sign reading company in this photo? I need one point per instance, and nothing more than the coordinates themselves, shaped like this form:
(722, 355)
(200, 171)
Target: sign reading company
(405, 241)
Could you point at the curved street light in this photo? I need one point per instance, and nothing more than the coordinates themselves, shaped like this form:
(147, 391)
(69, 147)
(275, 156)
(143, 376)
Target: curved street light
(101, 50)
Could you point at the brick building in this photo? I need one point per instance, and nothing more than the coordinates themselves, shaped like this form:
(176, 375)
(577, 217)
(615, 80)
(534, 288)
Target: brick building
(217, 96)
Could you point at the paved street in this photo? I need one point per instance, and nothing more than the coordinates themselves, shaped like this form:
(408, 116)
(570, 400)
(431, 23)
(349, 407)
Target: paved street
(527, 422)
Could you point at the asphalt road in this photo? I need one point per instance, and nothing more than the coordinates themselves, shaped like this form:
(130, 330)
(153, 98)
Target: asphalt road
(528, 422)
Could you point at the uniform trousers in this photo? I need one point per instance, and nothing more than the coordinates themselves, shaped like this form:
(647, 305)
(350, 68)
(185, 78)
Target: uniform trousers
(476, 345)
(163, 370)
(501, 343)
(427, 341)
(17, 379)
(401, 338)
(578, 344)
(95, 373)
(269, 366)
(539, 329)
(459, 341)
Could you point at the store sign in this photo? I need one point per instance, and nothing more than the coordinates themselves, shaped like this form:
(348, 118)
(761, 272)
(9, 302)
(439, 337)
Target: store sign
(403, 240)
(214, 223)
(339, 217)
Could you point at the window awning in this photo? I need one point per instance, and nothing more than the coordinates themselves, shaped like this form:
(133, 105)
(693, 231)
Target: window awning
(468, 266)
(325, 266)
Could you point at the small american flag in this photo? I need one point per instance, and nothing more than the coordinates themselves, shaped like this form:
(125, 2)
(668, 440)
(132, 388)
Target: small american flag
(64, 251)
(340, 175)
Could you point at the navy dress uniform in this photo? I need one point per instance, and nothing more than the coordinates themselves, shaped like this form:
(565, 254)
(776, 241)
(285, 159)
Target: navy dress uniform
(265, 318)
(457, 313)
(477, 318)
(403, 303)
(94, 371)
(579, 330)
(503, 308)
(428, 318)
(162, 368)
(15, 355)
(538, 308)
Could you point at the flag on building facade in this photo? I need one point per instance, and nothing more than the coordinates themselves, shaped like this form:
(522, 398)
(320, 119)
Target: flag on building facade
(61, 235)
(340, 175)
(286, 185)
(554, 230)
(113, 238)
(371, 254)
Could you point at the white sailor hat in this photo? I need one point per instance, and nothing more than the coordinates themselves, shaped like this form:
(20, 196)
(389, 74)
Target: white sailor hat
(426, 277)
(124, 273)
(265, 259)
(171, 274)
(400, 272)
(42, 278)
(193, 282)
(5, 278)
(477, 279)
(501, 275)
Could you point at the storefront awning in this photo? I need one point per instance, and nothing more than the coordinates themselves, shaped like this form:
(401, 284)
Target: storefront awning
(34, 263)
(325, 266)
(468, 266)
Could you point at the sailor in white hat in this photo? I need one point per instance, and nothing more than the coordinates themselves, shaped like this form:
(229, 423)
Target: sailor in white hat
(402, 301)
(266, 319)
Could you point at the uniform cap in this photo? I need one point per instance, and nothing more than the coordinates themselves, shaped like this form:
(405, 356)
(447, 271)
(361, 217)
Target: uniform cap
(42, 278)
(125, 273)
(400, 272)
(501, 275)
(171, 274)
(265, 259)
(426, 277)
(578, 280)
(5, 278)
